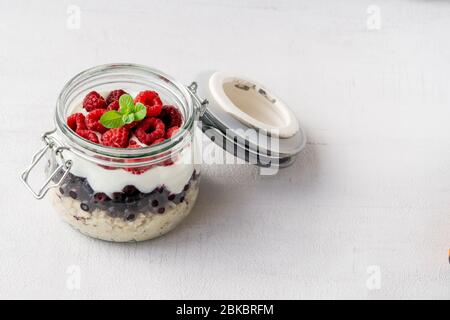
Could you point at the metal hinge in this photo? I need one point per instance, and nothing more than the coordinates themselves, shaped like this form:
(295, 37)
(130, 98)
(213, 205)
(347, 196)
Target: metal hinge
(63, 167)
(192, 88)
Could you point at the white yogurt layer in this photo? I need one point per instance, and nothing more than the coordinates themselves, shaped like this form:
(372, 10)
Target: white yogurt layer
(174, 177)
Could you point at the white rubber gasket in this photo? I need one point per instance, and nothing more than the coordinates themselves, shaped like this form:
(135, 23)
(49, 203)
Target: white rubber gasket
(257, 95)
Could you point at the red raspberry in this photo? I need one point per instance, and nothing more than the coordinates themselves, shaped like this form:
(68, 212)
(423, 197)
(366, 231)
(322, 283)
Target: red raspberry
(93, 100)
(133, 145)
(88, 135)
(76, 122)
(114, 96)
(136, 170)
(117, 138)
(113, 106)
(167, 163)
(171, 131)
(151, 100)
(130, 125)
(157, 141)
(171, 116)
(171, 160)
(92, 120)
(149, 130)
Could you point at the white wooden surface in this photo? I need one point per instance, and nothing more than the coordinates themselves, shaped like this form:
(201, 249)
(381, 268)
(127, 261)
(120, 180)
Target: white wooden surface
(371, 189)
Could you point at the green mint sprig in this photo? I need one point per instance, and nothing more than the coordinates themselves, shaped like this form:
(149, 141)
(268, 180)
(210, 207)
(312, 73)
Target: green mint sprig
(127, 113)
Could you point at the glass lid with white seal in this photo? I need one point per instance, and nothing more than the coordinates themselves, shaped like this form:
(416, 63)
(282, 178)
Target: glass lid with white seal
(247, 120)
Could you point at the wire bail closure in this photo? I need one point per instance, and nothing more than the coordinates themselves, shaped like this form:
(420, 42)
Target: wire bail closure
(192, 88)
(64, 166)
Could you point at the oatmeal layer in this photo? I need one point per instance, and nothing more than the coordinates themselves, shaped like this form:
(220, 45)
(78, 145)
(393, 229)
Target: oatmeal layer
(100, 224)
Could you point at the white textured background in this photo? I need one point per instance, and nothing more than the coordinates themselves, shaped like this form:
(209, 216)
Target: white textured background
(371, 188)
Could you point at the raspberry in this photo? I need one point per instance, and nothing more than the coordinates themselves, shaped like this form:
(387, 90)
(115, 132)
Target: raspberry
(170, 161)
(171, 131)
(157, 141)
(76, 122)
(92, 120)
(136, 170)
(149, 130)
(167, 163)
(88, 135)
(93, 100)
(114, 96)
(72, 121)
(130, 125)
(171, 116)
(151, 100)
(117, 138)
(113, 106)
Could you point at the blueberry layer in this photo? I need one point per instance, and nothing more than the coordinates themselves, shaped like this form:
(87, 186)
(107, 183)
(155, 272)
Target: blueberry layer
(126, 203)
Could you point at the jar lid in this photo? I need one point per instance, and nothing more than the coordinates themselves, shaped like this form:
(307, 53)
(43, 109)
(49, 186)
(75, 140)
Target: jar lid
(249, 121)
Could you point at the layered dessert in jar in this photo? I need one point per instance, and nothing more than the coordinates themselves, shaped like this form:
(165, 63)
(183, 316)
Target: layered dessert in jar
(126, 200)
(123, 153)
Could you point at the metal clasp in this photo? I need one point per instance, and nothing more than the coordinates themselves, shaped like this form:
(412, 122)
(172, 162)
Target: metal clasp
(192, 88)
(64, 166)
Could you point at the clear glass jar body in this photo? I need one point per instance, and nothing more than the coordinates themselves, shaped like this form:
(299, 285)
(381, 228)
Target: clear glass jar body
(124, 194)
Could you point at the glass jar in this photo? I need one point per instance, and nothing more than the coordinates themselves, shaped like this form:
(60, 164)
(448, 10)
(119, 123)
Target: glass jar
(137, 194)
(98, 189)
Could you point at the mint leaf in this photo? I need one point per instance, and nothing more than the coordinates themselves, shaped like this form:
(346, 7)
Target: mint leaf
(141, 112)
(111, 119)
(128, 118)
(127, 113)
(126, 104)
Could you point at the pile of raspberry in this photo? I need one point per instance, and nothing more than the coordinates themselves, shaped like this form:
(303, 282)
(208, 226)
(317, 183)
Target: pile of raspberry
(159, 124)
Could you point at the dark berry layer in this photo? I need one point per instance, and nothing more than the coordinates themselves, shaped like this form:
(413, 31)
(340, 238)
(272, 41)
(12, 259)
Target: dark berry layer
(126, 203)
